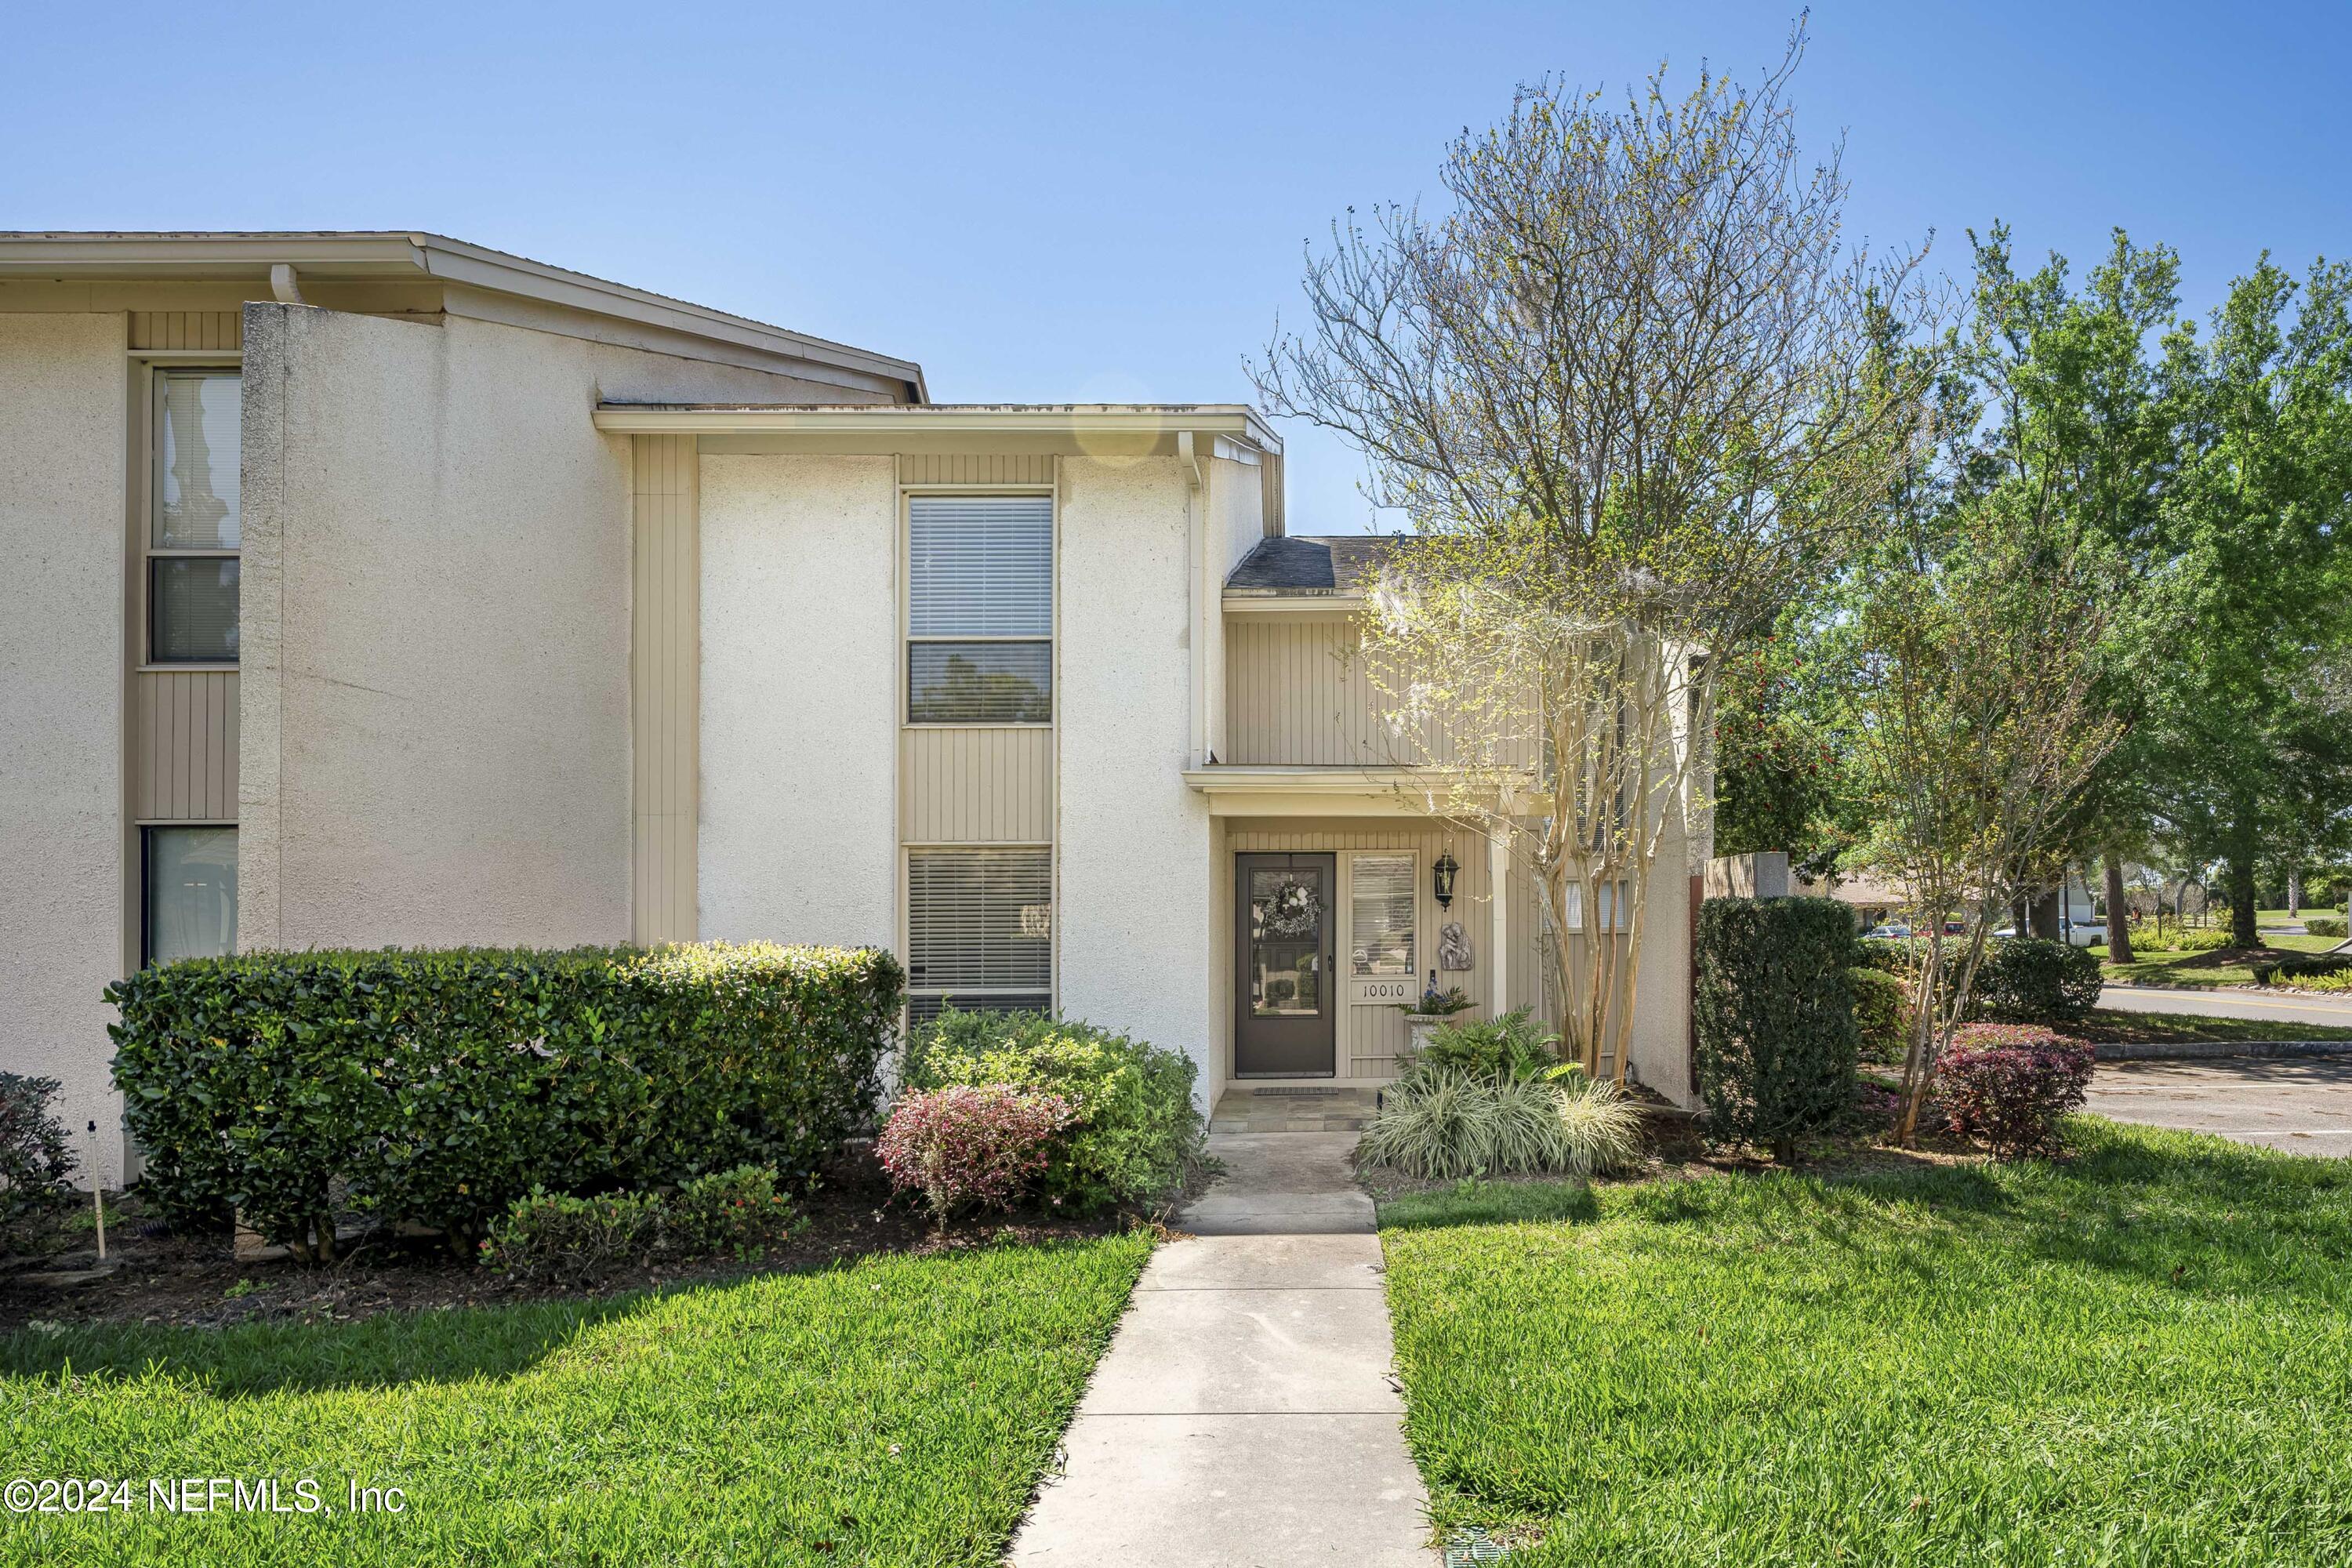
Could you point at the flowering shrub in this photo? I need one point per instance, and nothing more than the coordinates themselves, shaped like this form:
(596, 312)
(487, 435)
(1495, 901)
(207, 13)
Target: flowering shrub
(1131, 1129)
(2006, 1085)
(736, 1211)
(969, 1145)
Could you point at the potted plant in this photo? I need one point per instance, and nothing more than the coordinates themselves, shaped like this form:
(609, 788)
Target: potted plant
(1433, 1008)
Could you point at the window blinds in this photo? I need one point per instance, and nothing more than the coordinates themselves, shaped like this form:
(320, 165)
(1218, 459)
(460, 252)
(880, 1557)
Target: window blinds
(980, 919)
(980, 566)
(1381, 891)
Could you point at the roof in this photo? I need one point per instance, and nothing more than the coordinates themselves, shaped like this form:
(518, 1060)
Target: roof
(1153, 426)
(1305, 565)
(393, 254)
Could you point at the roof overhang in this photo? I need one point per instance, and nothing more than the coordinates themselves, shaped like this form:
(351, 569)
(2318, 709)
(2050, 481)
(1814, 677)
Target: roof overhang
(395, 255)
(1062, 428)
(1241, 789)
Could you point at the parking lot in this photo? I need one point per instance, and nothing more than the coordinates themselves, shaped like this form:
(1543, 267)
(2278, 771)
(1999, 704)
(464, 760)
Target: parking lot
(2300, 1104)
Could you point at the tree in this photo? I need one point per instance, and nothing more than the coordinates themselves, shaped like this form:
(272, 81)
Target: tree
(2252, 738)
(1628, 389)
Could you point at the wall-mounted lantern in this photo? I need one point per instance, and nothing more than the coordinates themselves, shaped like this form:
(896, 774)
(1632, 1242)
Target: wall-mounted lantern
(1444, 872)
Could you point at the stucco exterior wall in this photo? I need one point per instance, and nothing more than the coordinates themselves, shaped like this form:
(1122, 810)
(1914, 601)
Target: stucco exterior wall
(799, 834)
(1134, 840)
(436, 744)
(62, 380)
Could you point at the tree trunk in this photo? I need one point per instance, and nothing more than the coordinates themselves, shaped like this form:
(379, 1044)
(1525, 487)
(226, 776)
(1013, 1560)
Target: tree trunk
(2119, 947)
(2293, 891)
(2041, 915)
(2239, 881)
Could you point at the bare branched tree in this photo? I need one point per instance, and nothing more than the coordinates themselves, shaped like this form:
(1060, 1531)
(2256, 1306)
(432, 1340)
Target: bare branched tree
(1632, 390)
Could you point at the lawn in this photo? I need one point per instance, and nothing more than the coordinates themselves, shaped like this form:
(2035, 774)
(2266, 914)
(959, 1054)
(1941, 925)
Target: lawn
(896, 1411)
(2143, 1357)
(2125, 1026)
(2153, 966)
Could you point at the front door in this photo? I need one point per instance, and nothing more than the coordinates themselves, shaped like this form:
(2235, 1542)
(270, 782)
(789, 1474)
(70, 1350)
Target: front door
(1285, 1014)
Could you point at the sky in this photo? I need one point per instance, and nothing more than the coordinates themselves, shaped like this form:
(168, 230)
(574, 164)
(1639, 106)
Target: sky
(1108, 203)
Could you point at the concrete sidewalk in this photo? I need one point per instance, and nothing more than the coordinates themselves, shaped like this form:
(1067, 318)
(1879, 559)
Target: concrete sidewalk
(1245, 1414)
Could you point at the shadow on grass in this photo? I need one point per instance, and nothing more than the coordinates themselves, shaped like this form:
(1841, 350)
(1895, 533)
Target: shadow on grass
(1491, 1202)
(455, 1344)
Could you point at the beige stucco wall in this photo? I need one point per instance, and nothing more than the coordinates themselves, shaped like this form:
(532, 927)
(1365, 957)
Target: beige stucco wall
(62, 396)
(1133, 912)
(436, 743)
(799, 837)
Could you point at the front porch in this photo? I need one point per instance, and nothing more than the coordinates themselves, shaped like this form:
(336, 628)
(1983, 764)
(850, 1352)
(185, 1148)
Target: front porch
(1293, 1108)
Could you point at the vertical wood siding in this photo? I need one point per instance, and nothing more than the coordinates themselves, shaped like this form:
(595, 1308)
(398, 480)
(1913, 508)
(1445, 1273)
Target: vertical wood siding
(1297, 692)
(997, 468)
(664, 672)
(1372, 1036)
(187, 329)
(184, 746)
(961, 785)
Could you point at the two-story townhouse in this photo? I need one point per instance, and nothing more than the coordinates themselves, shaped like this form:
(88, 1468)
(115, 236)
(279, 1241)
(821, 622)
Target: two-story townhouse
(377, 588)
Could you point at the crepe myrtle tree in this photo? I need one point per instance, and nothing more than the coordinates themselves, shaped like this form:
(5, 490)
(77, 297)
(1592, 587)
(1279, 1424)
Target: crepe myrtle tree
(1630, 389)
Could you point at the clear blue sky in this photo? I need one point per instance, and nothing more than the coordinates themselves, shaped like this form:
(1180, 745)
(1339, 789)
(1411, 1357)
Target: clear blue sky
(1107, 202)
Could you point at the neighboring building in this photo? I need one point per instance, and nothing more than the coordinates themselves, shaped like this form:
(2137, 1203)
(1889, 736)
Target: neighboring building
(377, 588)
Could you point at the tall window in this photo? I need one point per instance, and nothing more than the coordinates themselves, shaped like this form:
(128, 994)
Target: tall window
(1382, 893)
(980, 609)
(191, 875)
(980, 930)
(195, 528)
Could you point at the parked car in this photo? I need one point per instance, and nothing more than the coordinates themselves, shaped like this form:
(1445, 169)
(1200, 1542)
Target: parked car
(1889, 932)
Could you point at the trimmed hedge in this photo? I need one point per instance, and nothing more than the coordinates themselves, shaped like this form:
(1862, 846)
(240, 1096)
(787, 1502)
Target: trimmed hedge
(1882, 1012)
(1776, 1038)
(2286, 970)
(2033, 980)
(440, 1086)
(2325, 925)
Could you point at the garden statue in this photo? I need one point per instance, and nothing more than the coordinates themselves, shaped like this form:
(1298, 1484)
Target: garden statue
(1452, 946)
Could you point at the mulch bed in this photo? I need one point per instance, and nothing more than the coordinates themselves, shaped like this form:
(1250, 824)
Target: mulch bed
(188, 1281)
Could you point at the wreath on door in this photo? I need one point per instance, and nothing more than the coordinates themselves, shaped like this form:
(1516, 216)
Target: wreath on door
(1294, 911)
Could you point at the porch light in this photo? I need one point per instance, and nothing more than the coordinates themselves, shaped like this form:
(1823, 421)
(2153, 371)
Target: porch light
(1445, 872)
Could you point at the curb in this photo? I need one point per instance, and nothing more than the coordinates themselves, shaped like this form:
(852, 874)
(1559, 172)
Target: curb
(2199, 1050)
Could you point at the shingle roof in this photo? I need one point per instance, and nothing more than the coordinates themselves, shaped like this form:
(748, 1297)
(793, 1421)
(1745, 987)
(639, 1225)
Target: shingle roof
(1297, 563)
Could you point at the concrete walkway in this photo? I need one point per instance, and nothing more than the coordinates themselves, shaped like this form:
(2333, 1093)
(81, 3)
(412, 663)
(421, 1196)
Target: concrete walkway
(1245, 1414)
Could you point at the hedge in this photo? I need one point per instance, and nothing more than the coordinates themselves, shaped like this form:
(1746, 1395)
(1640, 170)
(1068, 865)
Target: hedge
(2033, 980)
(440, 1086)
(1777, 1037)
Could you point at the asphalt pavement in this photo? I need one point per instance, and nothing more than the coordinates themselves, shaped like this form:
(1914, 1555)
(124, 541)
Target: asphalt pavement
(2227, 1002)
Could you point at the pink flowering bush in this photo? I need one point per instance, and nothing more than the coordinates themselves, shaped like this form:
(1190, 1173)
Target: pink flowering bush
(2006, 1085)
(970, 1144)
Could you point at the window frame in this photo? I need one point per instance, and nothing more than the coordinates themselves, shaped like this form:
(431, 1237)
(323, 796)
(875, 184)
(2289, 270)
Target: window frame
(159, 377)
(145, 832)
(908, 638)
(1414, 884)
(1050, 991)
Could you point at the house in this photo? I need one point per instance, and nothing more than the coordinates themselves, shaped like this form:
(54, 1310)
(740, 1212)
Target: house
(378, 588)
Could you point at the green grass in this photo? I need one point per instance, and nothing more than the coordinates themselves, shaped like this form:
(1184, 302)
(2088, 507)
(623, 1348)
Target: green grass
(2123, 1024)
(2155, 966)
(897, 1411)
(2142, 1357)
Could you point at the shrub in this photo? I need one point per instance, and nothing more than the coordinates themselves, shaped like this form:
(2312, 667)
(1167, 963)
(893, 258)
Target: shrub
(1446, 1124)
(2325, 925)
(970, 1144)
(35, 1160)
(2194, 939)
(1777, 1039)
(2318, 971)
(441, 1086)
(1511, 1047)
(1132, 1128)
(737, 1211)
(1882, 1013)
(2007, 1085)
(2033, 980)
(554, 1236)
